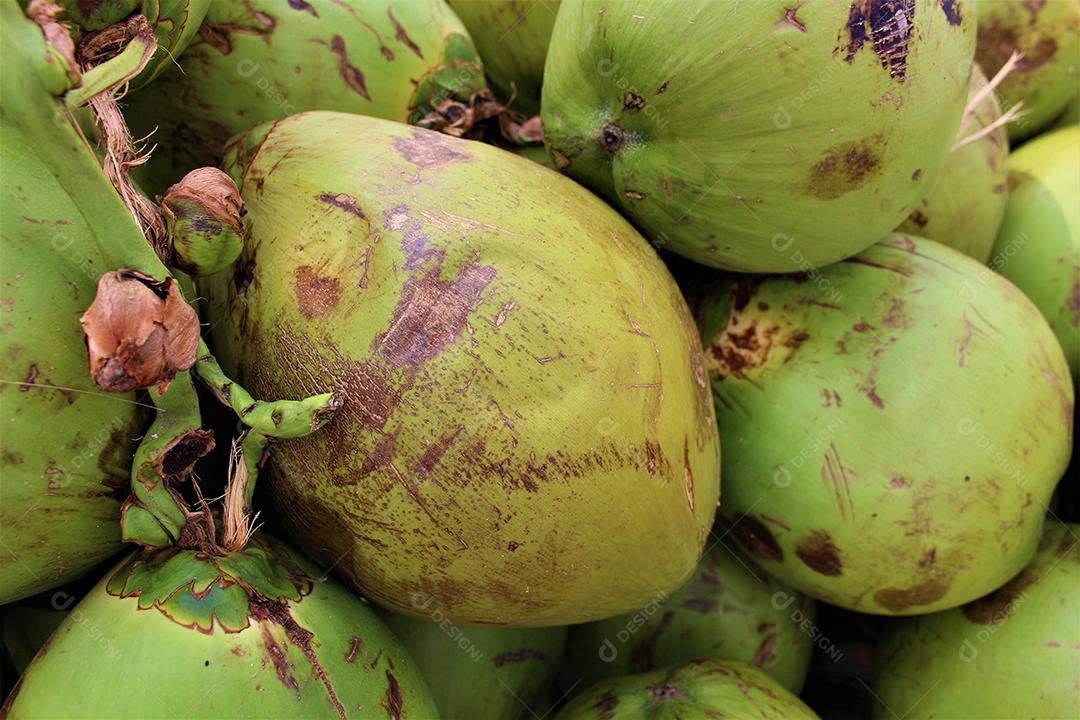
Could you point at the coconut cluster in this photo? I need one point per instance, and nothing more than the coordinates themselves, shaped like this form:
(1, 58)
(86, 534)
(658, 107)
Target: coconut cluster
(491, 359)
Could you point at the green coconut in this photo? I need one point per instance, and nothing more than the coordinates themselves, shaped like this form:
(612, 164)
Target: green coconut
(1038, 246)
(67, 447)
(893, 425)
(260, 60)
(482, 673)
(524, 398)
(702, 688)
(512, 37)
(252, 634)
(764, 136)
(730, 609)
(964, 207)
(1009, 654)
(1045, 80)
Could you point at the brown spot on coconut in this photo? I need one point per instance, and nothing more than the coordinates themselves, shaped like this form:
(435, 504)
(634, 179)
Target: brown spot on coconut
(900, 600)
(426, 150)
(884, 25)
(316, 295)
(845, 168)
(349, 73)
(818, 553)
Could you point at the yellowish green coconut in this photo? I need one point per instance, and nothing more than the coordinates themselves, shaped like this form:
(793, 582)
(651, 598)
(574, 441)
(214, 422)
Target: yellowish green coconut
(524, 396)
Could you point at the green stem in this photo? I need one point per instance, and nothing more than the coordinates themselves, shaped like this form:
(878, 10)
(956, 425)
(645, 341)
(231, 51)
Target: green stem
(168, 451)
(252, 448)
(113, 72)
(273, 418)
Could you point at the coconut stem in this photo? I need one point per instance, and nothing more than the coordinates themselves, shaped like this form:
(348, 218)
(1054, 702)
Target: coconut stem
(155, 516)
(129, 46)
(272, 418)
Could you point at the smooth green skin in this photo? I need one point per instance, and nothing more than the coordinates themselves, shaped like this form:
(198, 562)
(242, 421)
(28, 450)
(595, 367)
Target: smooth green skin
(524, 399)
(225, 664)
(512, 37)
(1047, 79)
(1038, 247)
(757, 148)
(898, 427)
(482, 673)
(287, 64)
(1010, 654)
(965, 207)
(67, 451)
(731, 610)
(703, 688)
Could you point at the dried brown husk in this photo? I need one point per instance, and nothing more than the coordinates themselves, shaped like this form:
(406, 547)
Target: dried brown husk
(139, 332)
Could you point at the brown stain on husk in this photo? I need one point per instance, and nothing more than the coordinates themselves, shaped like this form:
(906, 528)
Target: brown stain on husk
(350, 74)
(951, 8)
(846, 167)
(428, 149)
(316, 295)
(431, 314)
(392, 700)
(818, 553)
(899, 600)
(886, 25)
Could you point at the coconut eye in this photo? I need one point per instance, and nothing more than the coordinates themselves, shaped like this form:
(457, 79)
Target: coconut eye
(611, 138)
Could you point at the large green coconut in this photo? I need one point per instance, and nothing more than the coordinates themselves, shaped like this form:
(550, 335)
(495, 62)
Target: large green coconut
(1038, 246)
(512, 37)
(527, 436)
(718, 126)
(66, 447)
(482, 673)
(1046, 79)
(1010, 654)
(964, 207)
(261, 60)
(253, 634)
(893, 425)
(730, 609)
(702, 688)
